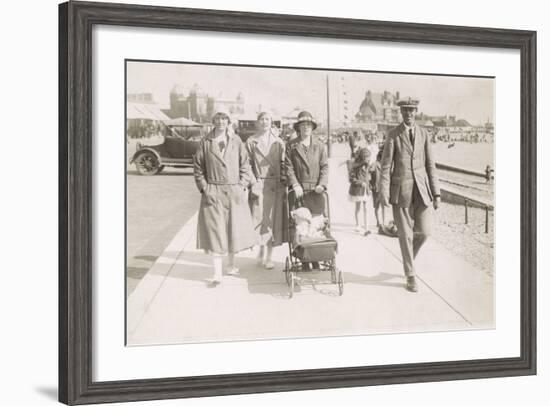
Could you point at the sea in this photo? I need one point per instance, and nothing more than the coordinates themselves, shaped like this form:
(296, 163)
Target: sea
(471, 156)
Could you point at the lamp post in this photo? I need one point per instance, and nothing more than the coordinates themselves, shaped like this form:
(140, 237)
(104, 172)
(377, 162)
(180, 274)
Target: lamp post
(328, 120)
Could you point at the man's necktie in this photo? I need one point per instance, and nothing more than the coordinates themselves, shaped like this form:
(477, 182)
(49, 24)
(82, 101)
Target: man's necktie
(411, 136)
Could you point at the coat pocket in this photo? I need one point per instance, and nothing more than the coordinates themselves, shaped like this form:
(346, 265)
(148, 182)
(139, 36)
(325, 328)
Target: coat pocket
(238, 194)
(256, 190)
(208, 195)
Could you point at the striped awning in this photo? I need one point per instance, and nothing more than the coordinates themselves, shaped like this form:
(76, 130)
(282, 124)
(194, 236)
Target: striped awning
(145, 111)
(182, 122)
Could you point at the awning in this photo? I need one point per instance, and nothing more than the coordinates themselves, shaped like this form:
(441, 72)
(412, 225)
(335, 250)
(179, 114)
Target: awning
(145, 111)
(183, 122)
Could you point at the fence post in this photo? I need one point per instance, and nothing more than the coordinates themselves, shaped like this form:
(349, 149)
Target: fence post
(486, 219)
(465, 211)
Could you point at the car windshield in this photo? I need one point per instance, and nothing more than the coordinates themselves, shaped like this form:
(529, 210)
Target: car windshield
(187, 133)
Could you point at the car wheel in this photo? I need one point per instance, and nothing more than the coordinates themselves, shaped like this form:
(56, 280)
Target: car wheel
(147, 163)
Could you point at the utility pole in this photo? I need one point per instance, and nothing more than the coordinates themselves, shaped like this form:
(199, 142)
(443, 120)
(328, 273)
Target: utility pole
(328, 121)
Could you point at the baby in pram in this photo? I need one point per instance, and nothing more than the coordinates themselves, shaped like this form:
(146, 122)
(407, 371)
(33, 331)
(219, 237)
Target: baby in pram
(308, 227)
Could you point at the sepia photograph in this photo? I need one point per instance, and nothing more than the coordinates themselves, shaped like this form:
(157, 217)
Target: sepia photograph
(271, 202)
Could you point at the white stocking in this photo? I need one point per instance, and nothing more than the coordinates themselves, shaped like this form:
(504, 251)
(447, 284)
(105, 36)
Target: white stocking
(217, 262)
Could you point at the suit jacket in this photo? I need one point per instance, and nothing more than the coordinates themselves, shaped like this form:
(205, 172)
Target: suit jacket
(306, 169)
(404, 165)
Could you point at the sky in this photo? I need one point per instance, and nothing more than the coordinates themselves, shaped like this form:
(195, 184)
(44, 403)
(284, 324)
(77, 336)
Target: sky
(282, 89)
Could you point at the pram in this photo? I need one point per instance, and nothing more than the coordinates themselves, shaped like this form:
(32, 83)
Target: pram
(320, 252)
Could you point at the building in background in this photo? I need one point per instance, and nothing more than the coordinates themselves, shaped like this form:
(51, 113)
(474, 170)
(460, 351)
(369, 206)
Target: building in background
(379, 108)
(199, 106)
(450, 129)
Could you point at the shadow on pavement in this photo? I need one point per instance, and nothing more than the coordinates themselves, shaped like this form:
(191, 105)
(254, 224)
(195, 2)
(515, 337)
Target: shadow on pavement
(197, 267)
(163, 173)
(150, 258)
(136, 272)
(381, 279)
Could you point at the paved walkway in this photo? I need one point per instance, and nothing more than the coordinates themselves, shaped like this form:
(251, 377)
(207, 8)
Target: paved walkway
(174, 303)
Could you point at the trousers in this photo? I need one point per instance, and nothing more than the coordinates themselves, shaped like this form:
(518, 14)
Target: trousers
(413, 229)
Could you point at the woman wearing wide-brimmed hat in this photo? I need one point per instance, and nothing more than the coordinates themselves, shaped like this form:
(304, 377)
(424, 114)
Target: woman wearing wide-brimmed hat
(222, 175)
(306, 165)
(268, 191)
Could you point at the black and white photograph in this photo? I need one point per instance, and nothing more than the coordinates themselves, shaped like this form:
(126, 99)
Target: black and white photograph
(287, 202)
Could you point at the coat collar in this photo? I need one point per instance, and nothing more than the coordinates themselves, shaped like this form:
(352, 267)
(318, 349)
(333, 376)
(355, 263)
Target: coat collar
(264, 149)
(297, 146)
(215, 149)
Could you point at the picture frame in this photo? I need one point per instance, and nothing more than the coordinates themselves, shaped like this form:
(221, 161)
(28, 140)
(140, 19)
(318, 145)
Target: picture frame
(76, 256)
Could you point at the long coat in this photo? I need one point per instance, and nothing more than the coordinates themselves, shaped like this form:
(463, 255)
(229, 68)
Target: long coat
(268, 200)
(404, 166)
(308, 169)
(224, 223)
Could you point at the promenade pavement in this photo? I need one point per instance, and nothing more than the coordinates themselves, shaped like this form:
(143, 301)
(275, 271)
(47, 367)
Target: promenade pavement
(174, 303)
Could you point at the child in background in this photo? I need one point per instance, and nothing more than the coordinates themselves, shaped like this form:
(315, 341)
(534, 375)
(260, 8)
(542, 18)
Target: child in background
(377, 193)
(359, 175)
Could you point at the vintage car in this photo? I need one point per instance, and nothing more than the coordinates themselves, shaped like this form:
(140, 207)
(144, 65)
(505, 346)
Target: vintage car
(246, 126)
(177, 150)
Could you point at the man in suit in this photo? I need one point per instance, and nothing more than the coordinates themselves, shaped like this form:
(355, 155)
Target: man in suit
(409, 182)
(306, 165)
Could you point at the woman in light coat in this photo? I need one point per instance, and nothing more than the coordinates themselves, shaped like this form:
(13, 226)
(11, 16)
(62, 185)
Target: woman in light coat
(222, 175)
(268, 191)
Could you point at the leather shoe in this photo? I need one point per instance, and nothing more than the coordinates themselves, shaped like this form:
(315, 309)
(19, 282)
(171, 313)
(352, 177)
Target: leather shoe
(411, 284)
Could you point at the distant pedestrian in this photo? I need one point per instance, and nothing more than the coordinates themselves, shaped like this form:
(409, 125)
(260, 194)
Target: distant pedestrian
(489, 174)
(222, 175)
(379, 207)
(372, 147)
(354, 143)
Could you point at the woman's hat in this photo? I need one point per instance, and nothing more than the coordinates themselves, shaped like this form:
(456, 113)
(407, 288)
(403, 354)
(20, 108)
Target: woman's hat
(263, 114)
(223, 112)
(305, 117)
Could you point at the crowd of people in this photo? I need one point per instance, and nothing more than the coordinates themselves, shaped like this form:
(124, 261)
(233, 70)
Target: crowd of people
(144, 130)
(245, 187)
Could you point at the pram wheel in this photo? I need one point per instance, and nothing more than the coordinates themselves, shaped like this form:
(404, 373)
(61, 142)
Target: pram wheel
(291, 284)
(341, 282)
(332, 266)
(287, 270)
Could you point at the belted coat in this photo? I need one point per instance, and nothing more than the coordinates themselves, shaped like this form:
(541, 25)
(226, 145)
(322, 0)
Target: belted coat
(224, 221)
(268, 191)
(405, 165)
(308, 169)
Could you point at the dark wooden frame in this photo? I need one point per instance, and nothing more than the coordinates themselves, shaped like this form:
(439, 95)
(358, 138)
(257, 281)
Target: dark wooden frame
(76, 20)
